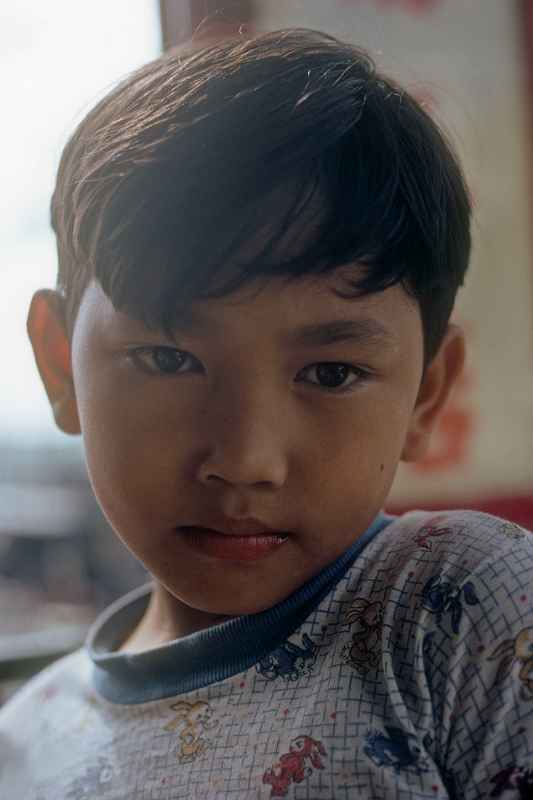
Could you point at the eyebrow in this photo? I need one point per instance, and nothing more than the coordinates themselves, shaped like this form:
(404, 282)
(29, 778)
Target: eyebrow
(366, 330)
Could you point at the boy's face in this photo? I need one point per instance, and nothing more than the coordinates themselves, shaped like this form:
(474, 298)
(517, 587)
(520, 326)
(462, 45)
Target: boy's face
(241, 418)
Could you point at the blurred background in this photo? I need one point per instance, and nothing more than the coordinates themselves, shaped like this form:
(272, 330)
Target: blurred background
(469, 61)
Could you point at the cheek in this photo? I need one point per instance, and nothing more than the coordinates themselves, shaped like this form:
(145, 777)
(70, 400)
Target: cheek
(129, 448)
(359, 447)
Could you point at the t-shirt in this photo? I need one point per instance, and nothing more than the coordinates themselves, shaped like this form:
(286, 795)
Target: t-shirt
(404, 669)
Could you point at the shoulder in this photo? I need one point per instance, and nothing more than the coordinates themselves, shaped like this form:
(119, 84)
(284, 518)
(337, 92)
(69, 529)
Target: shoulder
(444, 608)
(456, 542)
(461, 577)
(444, 567)
(471, 524)
(50, 688)
(36, 726)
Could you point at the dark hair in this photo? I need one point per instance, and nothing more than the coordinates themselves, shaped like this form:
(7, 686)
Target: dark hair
(193, 158)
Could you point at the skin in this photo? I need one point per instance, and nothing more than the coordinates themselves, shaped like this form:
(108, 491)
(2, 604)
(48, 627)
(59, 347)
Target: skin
(246, 428)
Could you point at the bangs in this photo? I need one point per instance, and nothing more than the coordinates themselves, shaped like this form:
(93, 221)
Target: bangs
(202, 226)
(281, 156)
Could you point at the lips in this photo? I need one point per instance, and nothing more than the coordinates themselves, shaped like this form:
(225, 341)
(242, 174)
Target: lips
(227, 545)
(241, 528)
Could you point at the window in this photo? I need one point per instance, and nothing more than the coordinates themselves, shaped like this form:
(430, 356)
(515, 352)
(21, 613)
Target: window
(57, 59)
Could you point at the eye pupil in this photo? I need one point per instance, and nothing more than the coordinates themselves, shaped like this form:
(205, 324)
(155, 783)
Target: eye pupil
(167, 360)
(332, 374)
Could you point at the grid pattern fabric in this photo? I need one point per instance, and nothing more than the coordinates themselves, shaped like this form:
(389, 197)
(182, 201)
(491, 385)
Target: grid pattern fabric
(412, 678)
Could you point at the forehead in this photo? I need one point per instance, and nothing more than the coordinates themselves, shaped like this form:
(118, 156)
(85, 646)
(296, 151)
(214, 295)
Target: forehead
(281, 303)
(291, 311)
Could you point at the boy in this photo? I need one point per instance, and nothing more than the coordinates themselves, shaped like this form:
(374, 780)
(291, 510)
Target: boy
(260, 246)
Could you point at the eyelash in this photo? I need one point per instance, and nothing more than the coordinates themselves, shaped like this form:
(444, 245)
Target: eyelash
(136, 356)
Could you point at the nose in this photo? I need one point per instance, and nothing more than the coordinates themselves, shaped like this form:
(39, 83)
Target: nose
(246, 444)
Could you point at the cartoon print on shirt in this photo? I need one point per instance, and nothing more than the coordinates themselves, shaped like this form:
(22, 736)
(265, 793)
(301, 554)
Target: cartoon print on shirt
(296, 765)
(440, 597)
(519, 649)
(513, 778)
(194, 719)
(512, 531)
(364, 650)
(93, 783)
(289, 661)
(396, 749)
(431, 530)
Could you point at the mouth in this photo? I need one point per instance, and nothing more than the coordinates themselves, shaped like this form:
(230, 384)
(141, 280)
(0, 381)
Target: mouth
(235, 543)
(211, 532)
(238, 528)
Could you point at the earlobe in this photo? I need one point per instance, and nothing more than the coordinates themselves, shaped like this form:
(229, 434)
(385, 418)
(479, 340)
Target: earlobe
(51, 348)
(439, 378)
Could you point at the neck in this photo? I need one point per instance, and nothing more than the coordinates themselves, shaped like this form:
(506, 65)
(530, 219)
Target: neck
(165, 620)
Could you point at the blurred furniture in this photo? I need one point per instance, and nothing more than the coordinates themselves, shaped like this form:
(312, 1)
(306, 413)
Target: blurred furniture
(60, 564)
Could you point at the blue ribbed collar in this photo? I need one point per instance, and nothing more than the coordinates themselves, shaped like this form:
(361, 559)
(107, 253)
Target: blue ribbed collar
(209, 655)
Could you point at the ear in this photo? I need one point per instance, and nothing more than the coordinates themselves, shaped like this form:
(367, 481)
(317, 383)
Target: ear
(440, 376)
(51, 347)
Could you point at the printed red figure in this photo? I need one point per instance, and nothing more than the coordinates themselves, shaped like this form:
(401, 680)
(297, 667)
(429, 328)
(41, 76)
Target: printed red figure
(292, 767)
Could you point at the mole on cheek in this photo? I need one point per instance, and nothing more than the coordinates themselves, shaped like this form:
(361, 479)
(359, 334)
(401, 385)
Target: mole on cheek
(382, 467)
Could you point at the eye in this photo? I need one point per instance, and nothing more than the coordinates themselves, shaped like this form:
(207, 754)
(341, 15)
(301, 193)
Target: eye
(164, 360)
(332, 375)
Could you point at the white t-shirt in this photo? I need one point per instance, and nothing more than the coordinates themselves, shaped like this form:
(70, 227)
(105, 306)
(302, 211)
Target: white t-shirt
(402, 670)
